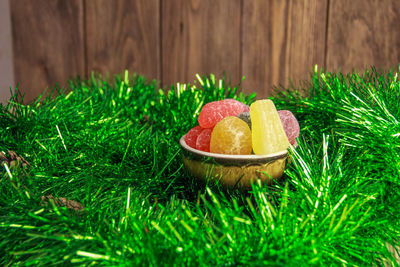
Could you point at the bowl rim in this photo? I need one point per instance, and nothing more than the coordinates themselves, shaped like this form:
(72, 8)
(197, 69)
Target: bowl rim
(250, 157)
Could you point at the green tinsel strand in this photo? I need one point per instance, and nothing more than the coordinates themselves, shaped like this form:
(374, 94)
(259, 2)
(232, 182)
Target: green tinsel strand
(112, 145)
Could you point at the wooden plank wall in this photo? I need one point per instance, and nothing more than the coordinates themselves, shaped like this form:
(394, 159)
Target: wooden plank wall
(48, 43)
(267, 41)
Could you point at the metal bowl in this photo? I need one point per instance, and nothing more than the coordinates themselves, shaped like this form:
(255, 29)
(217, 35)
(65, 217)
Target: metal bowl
(233, 170)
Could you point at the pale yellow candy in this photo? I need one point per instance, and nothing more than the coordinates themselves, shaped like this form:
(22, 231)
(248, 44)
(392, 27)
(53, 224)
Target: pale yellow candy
(268, 135)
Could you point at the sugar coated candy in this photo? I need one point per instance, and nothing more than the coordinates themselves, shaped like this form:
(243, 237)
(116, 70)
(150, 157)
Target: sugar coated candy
(290, 125)
(203, 140)
(231, 136)
(192, 135)
(245, 116)
(268, 135)
(235, 102)
(215, 111)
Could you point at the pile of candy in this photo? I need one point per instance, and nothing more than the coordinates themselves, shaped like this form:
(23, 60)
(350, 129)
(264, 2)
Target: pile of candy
(231, 127)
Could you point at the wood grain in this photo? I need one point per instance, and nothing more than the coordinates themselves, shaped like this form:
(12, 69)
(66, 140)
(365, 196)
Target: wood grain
(123, 35)
(200, 36)
(281, 40)
(266, 41)
(362, 33)
(48, 43)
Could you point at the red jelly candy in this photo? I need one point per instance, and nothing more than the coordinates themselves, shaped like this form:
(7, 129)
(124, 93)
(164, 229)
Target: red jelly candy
(246, 108)
(290, 125)
(203, 140)
(215, 111)
(192, 135)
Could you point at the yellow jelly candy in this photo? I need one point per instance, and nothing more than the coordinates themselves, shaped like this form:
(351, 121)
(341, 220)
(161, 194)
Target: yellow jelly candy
(231, 136)
(268, 135)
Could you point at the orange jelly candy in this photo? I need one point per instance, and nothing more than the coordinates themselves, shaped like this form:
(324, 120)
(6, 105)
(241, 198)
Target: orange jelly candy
(231, 136)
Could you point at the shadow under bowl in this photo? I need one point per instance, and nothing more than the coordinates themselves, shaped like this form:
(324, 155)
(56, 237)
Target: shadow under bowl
(233, 170)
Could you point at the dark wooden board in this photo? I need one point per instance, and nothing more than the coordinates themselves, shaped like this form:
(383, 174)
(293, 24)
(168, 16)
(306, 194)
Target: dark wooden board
(363, 33)
(48, 43)
(200, 37)
(123, 35)
(281, 40)
(306, 38)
